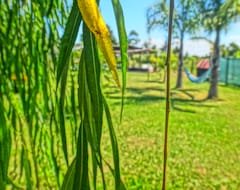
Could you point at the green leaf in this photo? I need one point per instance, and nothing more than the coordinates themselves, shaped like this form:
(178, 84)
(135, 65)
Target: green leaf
(73, 102)
(122, 186)
(93, 80)
(26, 164)
(68, 39)
(67, 44)
(69, 177)
(114, 146)
(81, 180)
(94, 102)
(123, 44)
(5, 147)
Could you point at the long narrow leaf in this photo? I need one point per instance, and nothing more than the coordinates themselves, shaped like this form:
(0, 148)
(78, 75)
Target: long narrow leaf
(94, 104)
(69, 177)
(67, 44)
(123, 44)
(81, 180)
(114, 147)
(93, 80)
(5, 147)
(68, 39)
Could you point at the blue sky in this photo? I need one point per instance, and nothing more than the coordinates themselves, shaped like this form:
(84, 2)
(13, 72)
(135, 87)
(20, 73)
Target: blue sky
(134, 13)
(135, 19)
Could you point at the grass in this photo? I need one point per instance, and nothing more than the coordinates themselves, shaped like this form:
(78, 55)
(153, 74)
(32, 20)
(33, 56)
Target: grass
(203, 137)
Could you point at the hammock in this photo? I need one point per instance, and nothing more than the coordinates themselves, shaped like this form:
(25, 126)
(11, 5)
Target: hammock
(199, 79)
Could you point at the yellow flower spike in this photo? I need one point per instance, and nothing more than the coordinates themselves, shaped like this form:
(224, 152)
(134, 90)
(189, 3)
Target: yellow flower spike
(94, 20)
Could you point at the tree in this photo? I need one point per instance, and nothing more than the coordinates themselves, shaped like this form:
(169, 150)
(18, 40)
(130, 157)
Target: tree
(233, 49)
(133, 38)
(164, 46)
(147, 44)
(224, 51)
(216, 16)
(185, 21)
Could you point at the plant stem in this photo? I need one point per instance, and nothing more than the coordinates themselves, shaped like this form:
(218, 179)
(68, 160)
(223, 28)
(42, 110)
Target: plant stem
(167, 93)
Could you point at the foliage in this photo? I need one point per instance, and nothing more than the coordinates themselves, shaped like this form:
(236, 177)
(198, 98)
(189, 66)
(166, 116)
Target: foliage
(185, 21)
(185, 16)
(52, 105)
(162, 60)
(232, 50)
(154, 59)
(218, 13)
(29, 42)
(133, 38)
(191, 62)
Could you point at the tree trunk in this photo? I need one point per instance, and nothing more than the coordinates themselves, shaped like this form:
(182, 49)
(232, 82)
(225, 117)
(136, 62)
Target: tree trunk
(180, 62)
(213, 90)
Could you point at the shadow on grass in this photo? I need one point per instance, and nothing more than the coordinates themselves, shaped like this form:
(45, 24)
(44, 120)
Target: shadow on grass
(144, 90)
(190, 101)
(137, 90)
(138, 99)
(178, 103)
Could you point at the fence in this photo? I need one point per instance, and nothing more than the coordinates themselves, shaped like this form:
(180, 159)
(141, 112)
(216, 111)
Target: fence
(229, 72)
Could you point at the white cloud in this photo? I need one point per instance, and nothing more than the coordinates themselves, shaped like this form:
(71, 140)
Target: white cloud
(192, 47)
(153, 42)
(234, 38)
(197, 47)
(231, 34)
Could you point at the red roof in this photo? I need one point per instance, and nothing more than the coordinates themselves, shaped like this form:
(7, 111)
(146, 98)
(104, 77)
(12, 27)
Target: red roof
(203, 64)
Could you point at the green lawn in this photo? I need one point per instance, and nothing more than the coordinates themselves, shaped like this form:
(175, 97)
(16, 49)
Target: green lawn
(204, 136)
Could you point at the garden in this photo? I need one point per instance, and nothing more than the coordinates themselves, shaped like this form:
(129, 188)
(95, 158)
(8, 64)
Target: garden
(78, 111)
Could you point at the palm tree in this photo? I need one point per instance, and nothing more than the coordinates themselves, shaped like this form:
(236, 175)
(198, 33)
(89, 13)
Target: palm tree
(133, 38)
(185, 21)
(233, 48)
(224, 51)
(216, 16)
